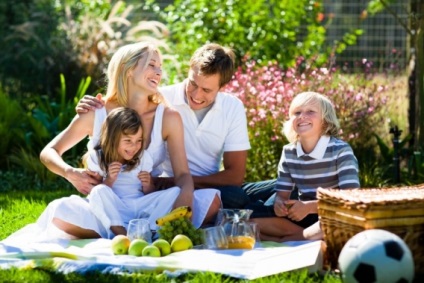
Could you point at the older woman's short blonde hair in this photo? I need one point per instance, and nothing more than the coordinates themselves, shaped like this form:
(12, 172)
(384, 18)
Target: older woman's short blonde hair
(331, 124)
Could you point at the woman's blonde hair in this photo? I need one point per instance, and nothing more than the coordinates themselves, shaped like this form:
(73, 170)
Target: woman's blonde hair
(328, 114)
(124, 60)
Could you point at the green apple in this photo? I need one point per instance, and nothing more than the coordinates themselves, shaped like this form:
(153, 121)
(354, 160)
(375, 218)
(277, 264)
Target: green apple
(181, 243)
(137, 246)
(151, 250)
(163, 245)
(120, 244)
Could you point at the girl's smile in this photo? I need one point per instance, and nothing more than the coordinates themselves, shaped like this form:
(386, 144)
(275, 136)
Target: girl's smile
(129, 145)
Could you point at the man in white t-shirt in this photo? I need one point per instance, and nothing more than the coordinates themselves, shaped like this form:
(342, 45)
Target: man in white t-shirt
(215, 127)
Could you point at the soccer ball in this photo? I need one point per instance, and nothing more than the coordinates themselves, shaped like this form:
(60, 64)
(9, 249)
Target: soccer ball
(376, 256)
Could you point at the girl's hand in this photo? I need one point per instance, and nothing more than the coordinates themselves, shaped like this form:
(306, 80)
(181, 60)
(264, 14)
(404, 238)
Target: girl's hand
(83, 179)
(146, 182)
(297, 210)
(88, 103)
(113, 170)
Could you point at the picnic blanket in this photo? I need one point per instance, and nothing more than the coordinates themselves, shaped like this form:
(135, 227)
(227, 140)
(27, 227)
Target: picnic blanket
(96, 255)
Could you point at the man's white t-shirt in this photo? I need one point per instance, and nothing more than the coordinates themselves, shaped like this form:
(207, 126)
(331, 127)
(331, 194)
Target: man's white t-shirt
(224, 128)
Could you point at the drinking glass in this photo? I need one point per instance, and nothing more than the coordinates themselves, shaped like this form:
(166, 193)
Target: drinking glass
(139, 229)
(215, 238)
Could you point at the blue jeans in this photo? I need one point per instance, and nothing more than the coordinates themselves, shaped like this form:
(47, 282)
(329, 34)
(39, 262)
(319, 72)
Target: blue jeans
(262, 190)
(240, 197)
(233, 197)
(262, 196)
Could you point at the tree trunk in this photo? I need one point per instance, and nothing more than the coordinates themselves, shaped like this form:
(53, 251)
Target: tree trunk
(419, 81)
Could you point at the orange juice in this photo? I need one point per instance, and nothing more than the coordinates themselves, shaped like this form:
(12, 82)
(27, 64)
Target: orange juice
(241, 242)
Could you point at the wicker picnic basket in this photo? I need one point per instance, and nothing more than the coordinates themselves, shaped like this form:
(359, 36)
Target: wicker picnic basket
(344, 213)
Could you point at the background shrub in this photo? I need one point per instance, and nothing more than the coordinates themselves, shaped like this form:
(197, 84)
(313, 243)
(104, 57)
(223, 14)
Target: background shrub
(34, 51)
(11, 130)
(42, 39)
(264, 30)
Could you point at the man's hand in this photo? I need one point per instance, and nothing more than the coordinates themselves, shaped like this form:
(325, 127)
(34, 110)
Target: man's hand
(83, 180)
(88, 103)
(162, 183)
(112, 173)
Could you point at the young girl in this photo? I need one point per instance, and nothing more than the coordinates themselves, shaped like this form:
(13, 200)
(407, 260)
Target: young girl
(125, 171)
(314, 158)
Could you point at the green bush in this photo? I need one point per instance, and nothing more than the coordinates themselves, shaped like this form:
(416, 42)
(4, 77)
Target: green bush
(34, 51)
(262, 30)
(11, 132)
(45, 118)
(42, 39)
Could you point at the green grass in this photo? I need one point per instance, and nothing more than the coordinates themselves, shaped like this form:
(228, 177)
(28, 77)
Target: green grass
(22, 201)
(46, 276)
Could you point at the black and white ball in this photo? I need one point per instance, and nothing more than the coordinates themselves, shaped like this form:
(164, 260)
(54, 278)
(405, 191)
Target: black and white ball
(376, 256)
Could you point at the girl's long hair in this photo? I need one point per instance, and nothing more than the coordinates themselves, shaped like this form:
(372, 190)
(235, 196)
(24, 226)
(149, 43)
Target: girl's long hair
(120, 121)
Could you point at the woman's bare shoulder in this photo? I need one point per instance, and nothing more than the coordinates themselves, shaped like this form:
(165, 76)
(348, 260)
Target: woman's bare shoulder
(171, 120)
(170, 115)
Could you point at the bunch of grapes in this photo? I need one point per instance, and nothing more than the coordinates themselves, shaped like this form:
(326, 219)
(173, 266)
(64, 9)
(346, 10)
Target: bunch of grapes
(183, 226)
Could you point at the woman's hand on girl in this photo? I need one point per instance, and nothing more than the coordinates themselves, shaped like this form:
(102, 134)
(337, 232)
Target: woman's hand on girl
(83, 180)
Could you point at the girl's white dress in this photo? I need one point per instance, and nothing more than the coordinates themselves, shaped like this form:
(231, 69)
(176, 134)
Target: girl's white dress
(117, 206)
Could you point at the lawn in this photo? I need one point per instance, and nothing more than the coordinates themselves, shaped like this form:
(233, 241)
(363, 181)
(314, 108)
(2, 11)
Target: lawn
(20, 206)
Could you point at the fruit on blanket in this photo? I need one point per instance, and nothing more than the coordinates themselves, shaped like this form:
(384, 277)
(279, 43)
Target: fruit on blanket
(174, 214)
(137, 246)
(182, 225)
(181, 243)
(120, 245)
(151, 251)
(163, 245)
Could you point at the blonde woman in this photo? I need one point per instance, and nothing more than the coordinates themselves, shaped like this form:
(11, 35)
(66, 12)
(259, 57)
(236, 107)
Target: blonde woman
(133, 74)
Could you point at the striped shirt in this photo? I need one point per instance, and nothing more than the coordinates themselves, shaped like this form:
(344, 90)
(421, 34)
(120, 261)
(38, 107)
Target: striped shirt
(331, 164)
